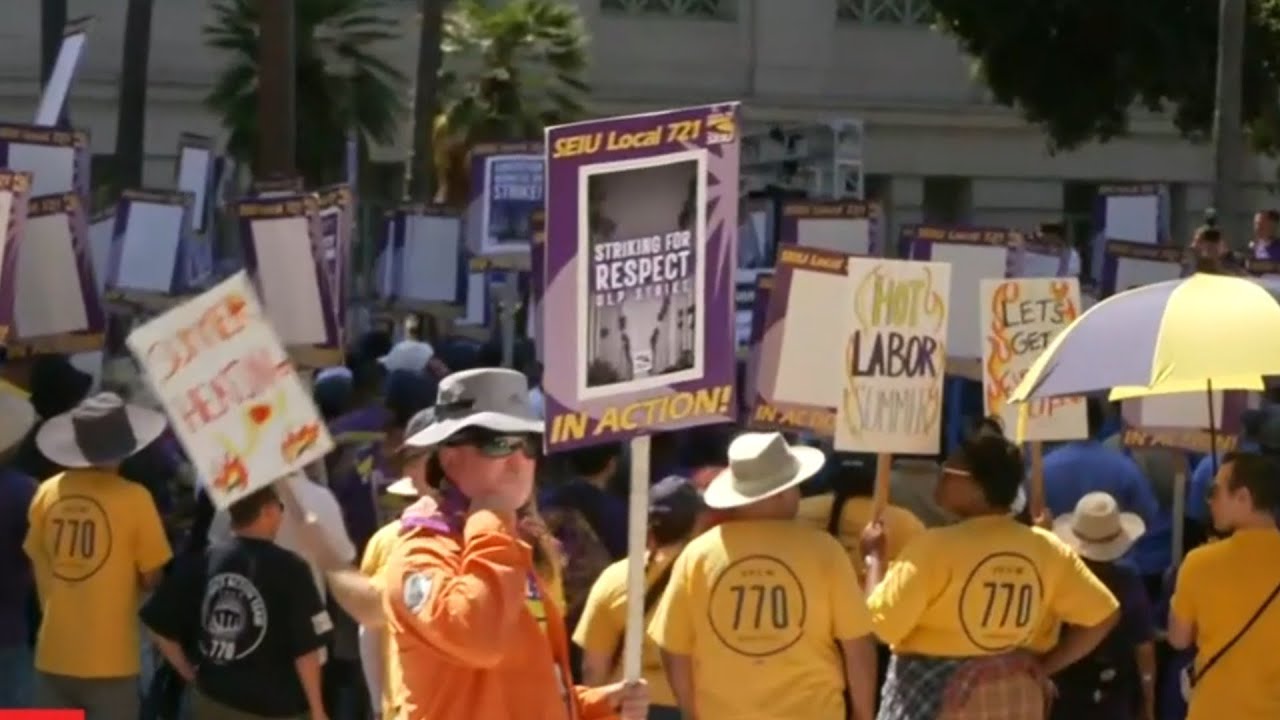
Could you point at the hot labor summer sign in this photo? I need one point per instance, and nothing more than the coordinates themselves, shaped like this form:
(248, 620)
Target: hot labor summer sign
(895, 354)
(641, 228)
(1020, 317)
(231, 393)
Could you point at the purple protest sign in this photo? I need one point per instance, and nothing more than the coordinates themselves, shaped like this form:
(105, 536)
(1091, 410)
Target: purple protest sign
(847, 227)
(642, 224)
(1127, 265)
(337, 218)
(506, 192)
(537, 281)
(150, 242)
(280, 239)
(759, 316)
(14, 189)
(56, 306)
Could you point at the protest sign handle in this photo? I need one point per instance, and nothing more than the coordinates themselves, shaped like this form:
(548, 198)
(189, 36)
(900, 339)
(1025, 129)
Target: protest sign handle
(637, 547)
(880, 495)
(1035, 488)
(1179, 512)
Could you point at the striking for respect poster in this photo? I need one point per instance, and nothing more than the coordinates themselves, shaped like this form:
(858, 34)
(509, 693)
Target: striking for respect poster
(895, 357)
(642, 224)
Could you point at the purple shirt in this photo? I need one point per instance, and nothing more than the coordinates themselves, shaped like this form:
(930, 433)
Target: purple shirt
(16, 491)
(1269, 250)
(358, 471)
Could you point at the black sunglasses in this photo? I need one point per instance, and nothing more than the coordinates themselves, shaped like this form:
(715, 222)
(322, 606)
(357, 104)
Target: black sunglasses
(496, 446)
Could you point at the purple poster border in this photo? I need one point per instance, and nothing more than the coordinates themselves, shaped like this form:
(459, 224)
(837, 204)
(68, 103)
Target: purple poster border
(336, 230)
(572, 421)
(918, 242)
(1117, 249)
(305, 206)
(765, 414)
(793, 211)
(178, 276)
(17, 184)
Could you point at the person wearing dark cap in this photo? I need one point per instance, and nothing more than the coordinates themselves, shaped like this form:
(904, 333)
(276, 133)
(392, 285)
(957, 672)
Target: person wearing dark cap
(96, 543)
(674, 509)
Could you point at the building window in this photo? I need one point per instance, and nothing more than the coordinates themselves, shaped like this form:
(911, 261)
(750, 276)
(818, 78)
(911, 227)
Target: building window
(947, 200)
(693, 9)
(887, 12)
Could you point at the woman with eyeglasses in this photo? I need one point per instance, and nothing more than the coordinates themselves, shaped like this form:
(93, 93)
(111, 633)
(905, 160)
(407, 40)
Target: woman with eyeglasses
(974, 612)
(465, 605)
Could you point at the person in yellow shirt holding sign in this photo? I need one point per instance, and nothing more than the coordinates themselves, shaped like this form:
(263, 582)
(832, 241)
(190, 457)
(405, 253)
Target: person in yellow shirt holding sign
(974, 611)
(674, 510)
(763, 617)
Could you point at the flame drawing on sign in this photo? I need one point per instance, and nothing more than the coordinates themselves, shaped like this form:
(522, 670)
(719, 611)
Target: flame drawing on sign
(299, 440)
(1001, 352)
(232, 476)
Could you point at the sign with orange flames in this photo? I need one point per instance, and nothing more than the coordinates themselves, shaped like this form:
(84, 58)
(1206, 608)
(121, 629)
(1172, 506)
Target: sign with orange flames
(234, 399)
(1020, 317)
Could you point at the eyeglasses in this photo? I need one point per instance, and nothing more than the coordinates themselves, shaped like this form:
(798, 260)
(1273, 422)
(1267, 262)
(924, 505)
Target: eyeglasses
(497, 446)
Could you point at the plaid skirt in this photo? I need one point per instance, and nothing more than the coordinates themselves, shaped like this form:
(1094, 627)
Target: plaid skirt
(999, 687)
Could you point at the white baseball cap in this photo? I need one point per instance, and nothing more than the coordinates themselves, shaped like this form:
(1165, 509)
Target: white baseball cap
(411, 355)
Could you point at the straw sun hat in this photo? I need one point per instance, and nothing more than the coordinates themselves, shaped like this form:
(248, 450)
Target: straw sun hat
(761, 465)
(1097, 530)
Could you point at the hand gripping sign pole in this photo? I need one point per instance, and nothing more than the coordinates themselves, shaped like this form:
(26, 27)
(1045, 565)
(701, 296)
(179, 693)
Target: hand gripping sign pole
(640, 255)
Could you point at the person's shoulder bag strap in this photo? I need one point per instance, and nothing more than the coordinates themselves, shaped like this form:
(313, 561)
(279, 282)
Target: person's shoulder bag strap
(651, 597)
(1198, 675)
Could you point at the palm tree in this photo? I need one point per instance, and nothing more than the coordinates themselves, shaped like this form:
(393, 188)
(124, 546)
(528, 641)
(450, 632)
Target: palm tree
(341, 82)
(426, 98)
(510, 71)
(131, 115)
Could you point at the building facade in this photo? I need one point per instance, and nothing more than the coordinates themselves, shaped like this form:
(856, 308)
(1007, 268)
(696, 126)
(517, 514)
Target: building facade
(936, 149)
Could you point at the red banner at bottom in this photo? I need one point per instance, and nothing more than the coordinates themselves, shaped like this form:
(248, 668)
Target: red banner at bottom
(41, 715)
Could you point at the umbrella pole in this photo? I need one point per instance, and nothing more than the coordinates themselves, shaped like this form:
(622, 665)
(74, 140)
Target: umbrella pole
(1035, 494)
(1213, 429)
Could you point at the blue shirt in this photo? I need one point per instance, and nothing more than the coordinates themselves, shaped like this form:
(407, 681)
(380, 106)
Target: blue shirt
(1076, 469)
(16, 491)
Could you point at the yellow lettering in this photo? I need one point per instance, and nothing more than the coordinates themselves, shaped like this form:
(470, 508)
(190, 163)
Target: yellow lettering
(576, 145)
(568, 427)
(608, 423)
(680, 406)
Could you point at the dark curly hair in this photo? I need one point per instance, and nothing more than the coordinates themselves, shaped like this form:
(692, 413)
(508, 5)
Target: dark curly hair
(995, 463)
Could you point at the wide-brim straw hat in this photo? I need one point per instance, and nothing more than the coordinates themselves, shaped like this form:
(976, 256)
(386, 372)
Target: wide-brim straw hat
(101, 430)
(1097, 530)
(18, 414)
(761, 465)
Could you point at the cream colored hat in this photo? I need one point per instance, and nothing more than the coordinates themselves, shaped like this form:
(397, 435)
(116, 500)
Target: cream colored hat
(761, 465)
(1097, 530)
(19, 417)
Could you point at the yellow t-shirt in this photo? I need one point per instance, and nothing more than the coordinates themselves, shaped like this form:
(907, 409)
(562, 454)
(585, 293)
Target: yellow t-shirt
(376, 552)
(759, 605)
(91, 535)
(1220, 586)
(900, 525)
(985, 586)
(604, 622)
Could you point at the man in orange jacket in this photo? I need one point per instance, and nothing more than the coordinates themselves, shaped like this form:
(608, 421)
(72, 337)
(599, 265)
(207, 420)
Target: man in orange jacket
(475, 636)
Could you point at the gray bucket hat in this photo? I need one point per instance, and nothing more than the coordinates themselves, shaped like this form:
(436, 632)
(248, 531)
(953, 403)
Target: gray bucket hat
(494, 399)
(102, 429)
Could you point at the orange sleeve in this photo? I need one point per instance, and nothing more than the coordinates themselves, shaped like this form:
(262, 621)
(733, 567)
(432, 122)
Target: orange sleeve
(463, 604)
(594, 703)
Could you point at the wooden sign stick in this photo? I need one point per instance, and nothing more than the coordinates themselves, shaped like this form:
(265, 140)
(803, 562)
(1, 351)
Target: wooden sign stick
(880, 495)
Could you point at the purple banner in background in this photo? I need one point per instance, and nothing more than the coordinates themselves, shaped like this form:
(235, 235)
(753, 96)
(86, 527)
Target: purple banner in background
(337, 220)
(642, 224)
(848, 227)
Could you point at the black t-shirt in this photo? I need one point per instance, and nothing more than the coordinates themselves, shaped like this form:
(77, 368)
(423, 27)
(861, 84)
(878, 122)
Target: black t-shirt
(244, 610)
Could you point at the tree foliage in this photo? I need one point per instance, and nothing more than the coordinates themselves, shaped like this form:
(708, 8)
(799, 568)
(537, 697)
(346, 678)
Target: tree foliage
(341, 82)
(510, 70)
(1079, 68)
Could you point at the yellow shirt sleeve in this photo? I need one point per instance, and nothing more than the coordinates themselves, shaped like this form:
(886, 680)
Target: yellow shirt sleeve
(672, 626)
(850, 617)
(900, 600)
(1080, 597)
(376, 551)
(151, 545)
(1183, 603)
(601, 625)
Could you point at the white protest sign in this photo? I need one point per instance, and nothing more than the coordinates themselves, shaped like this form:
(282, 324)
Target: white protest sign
(1020, 317)
(895, 341)
(234, 398)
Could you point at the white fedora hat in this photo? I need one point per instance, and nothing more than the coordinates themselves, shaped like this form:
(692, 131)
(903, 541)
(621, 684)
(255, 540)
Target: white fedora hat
(761, 465)
(19, 417)
(102, 429)
(1097, 530)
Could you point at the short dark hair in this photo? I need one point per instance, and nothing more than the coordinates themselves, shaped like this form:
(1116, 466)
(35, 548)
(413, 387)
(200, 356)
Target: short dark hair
(1258, 473)
(994, 462)
(1272, 215)
(245, 511)
(1206, 233)
(593, 460)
